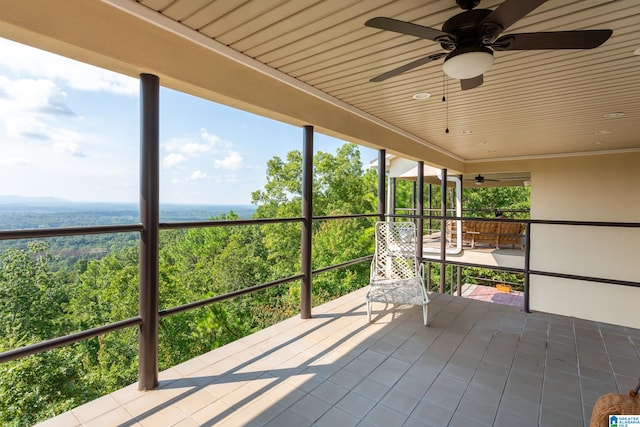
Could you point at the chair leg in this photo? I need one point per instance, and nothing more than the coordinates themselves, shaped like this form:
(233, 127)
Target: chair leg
(424, 314)
(369, 310)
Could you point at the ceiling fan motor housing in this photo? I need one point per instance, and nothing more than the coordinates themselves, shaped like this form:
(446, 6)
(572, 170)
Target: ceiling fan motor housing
(464, 26)
(470, 58)
(467, 4)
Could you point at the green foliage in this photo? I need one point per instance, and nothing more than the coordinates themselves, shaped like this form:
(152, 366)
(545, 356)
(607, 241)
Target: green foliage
(42, 385)
(340, 187)
(404, 195)
(488, 277)
(335, 242)
(486, 201)
(30, 297)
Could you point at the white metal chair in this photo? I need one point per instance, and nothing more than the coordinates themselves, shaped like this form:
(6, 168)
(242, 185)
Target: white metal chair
(396, 273)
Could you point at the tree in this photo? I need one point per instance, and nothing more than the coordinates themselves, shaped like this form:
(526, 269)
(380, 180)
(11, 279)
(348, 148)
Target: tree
(339, 241)
(33, 308)
(493, 199)
(30, 296)
(340, 187)
(40, 386)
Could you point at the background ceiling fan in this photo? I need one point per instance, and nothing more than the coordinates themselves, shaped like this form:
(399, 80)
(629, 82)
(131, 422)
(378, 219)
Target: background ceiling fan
(481, 179)
(471, 36)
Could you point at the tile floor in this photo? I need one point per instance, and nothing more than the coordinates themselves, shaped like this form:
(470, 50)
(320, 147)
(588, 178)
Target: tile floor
(491, 294)
(476, 364)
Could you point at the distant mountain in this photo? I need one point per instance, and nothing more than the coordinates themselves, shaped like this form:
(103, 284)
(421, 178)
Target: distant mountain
(39, 212)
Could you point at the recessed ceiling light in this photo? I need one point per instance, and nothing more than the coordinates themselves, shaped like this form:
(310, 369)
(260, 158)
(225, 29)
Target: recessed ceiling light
(637, 51)
(481, 143)
(603, 132)
(467, 132)
(422, 95)
(613, 115)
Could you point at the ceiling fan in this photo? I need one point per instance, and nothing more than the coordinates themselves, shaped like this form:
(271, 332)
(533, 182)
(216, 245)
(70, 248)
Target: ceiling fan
(471, 37)
(480, 179)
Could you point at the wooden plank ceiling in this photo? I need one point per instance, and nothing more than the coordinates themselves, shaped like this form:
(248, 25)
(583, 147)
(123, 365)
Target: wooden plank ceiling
(532, 104)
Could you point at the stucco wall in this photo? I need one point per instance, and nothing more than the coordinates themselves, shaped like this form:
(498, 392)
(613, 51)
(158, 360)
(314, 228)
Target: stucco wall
(593, 188)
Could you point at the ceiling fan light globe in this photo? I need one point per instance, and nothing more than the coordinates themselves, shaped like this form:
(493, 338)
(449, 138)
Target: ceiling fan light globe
(468, 63)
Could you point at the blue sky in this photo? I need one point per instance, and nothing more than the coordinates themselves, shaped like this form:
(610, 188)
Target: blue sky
(71, 131)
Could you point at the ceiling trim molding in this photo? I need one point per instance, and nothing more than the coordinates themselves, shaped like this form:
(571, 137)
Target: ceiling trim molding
(554, 156)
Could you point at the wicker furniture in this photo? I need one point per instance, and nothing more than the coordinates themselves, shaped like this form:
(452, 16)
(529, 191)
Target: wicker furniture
(491, 233)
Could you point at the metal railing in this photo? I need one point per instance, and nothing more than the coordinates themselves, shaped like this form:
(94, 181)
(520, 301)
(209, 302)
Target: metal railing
(137, 321)
(526, 270)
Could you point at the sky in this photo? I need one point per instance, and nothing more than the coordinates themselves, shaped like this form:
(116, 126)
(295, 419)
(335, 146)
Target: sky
(71, 131)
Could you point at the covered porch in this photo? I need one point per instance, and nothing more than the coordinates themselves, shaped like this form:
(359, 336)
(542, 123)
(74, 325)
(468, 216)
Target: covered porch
(476, 364)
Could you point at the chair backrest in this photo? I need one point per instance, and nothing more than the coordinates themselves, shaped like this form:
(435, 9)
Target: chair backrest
(395, 255)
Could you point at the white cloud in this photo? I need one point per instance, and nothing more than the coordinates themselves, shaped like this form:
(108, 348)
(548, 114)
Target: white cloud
(195, 148)
(173, 159)
(27, 105)
(210, 138)
(232, 161)
(31, 62)
(68, 147)
(197, 176)
(37, 111)
(175, 144)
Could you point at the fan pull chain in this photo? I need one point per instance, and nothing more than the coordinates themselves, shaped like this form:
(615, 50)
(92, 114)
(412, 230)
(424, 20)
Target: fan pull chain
(445, 83)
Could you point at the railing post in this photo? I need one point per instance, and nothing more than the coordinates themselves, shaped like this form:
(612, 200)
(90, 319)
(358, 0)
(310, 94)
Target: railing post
(150, 218)
(382, 191)
(392, 198)
(443, 232)
(527, 258)
(459, 284)
(430, 206)
(414, 195)
(419, 192)
(307, 216)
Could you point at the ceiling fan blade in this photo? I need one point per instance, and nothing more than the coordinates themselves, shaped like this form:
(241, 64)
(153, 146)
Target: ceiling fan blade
(511, 11)
(583, 39)
(408, 28)
(407, 67)
(466, 84)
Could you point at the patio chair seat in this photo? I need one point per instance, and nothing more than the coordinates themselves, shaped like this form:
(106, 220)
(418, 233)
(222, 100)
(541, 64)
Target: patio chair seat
(405, 291)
